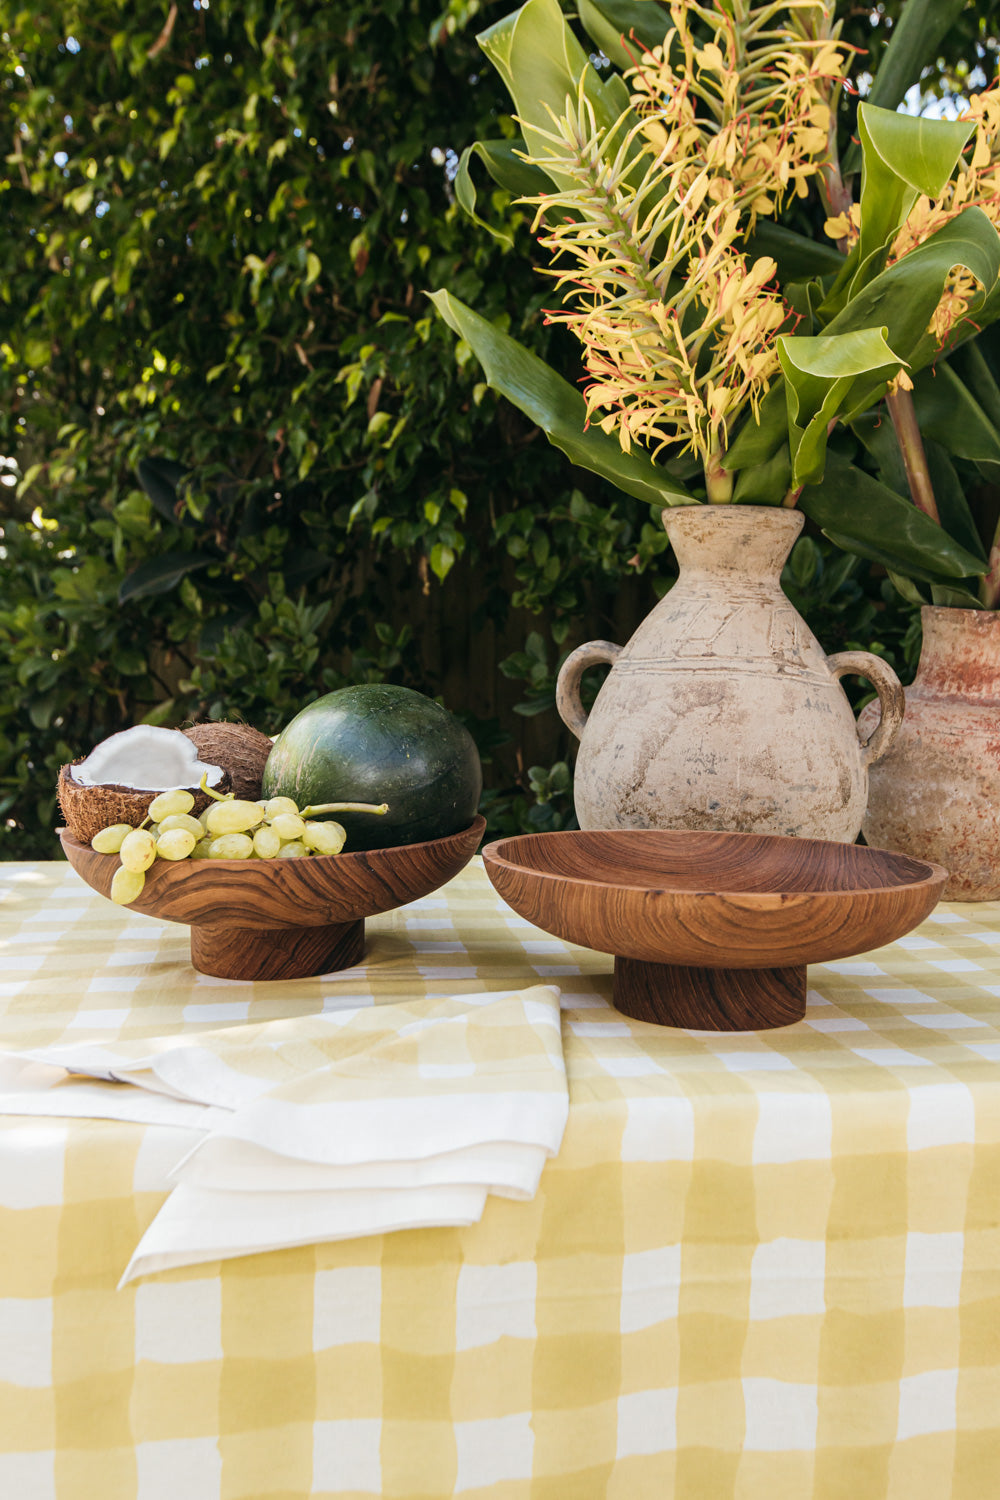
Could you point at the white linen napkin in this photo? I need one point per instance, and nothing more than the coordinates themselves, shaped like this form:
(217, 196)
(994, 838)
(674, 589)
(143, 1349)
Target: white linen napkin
(325, 1127)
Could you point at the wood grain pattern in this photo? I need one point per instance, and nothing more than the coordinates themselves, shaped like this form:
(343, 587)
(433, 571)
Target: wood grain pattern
(276, 952)
(710, 999)
(711, 901)
(235, 907)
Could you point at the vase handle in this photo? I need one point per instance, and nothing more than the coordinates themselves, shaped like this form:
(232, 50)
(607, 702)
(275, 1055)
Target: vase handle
(890, 697)
(568, 682)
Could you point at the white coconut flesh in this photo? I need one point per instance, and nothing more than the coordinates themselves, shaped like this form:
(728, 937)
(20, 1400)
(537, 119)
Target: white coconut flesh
(146, 759)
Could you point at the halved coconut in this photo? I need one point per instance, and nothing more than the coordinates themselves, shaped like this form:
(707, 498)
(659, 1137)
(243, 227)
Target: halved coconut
(237, 748)
(118, 780)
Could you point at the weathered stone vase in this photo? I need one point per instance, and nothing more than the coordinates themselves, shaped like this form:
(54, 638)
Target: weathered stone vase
(937, 793)
(723, 710)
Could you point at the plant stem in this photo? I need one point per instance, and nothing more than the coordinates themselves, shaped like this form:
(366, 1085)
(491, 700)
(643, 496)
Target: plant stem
(328, 807)
(718, 481)
(911, 446)
(837, 195)
(215, 796)
(989, 584)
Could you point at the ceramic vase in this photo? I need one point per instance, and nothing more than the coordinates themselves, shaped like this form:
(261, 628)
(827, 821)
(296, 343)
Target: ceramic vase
(723, 712)
(937, 793)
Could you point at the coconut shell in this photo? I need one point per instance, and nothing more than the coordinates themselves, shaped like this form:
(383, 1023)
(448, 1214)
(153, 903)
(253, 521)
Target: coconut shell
(88, 809)
(237, 748)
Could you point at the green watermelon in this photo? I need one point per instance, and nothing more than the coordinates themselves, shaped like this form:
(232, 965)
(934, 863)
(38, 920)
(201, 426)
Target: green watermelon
(379, 743)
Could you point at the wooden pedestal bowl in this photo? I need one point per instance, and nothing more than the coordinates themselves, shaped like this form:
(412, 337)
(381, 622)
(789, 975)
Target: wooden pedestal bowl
(283, 918)
(712, 930)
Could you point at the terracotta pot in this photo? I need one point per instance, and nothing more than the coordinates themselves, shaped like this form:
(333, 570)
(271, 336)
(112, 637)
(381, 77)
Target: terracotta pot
(723, 711)
(937, 793)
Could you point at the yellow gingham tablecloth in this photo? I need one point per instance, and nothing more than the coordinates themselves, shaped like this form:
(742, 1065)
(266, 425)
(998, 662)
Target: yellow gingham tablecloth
(763, 1266)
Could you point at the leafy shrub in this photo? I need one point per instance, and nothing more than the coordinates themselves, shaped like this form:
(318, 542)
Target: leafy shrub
(244, 462)
(245, 455)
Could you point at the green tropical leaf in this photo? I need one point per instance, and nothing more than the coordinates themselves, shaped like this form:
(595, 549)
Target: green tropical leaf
(860, 547)
(541, 62)
(915, 37)
(765, 483)
(863, 516)
(971, 365)
(953, 508)
(608, 22)
(878, 435)
(553, 404)
(508, 170)
(823, 376)
(758, 440)
(903, 297)
(902, 157)
(949, 596)
(947, 410)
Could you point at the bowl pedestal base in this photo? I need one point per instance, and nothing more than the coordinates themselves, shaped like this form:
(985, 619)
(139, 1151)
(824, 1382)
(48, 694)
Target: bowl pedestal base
(710, 999)
(275, 952)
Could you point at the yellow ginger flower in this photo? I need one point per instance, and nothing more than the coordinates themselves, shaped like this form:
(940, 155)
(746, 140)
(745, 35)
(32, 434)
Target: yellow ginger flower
(845, 226)
(667, 388)
(678, 330)
(764, 121)
(959, 290)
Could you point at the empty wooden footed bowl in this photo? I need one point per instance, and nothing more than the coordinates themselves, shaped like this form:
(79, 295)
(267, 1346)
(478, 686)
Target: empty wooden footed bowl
(282, 918)
(712, 930)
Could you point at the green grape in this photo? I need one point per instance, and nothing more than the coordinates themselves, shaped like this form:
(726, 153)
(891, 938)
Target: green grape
(126, 885)
(176, 843)
(294, 849)
(231, 846)
(274, 806)
(266, 843)
(110, 840)
(324, 838)
(183, 820)
(138, 850)
(200, 850)
(288, 826)
(232, 817)
(168, 803)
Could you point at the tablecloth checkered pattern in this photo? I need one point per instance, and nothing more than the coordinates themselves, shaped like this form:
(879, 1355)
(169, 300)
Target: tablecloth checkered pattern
(762, 1266)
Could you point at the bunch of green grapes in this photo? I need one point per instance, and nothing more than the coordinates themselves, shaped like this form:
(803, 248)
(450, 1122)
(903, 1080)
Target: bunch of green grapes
(229, 828)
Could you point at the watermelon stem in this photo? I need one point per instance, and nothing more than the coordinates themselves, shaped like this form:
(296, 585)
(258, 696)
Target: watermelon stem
(330, 807)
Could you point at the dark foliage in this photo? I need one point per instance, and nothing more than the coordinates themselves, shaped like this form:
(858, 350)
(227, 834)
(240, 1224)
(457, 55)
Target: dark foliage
(244, 463)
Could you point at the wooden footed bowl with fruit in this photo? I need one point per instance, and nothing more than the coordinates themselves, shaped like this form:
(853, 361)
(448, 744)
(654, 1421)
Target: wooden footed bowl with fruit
(283, 918)
(274, 872)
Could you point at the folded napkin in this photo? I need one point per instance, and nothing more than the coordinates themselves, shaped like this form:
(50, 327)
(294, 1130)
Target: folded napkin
(325, 1127)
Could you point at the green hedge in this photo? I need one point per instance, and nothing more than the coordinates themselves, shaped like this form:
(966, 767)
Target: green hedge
(244, 463)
